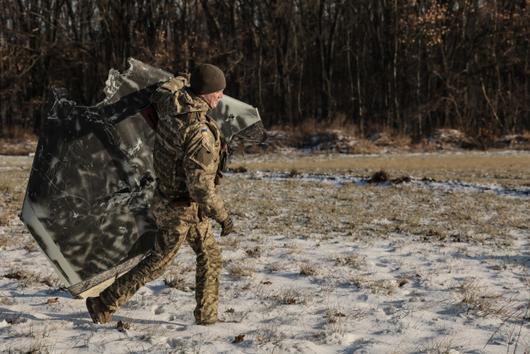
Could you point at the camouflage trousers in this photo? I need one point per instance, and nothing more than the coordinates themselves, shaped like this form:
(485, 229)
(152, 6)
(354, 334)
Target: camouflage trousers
(176, 224)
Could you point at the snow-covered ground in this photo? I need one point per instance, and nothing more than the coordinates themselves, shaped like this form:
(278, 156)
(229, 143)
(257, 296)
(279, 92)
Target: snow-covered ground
(318, 265)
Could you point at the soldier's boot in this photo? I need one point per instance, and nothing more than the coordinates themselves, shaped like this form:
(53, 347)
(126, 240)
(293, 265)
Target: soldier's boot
(98, 311)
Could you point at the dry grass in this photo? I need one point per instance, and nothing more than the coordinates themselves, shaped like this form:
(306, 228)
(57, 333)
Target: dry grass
(40, 341)
(177, 281)
(269, 334)
(354, 261)
(290, 297)
(10, 202)
(477, 300)
(381, 286)
(4, 239)
(31, 246)
(320, 211)
(333, 315)
(510, 169)
(18, 142)
(37, 346)
(14, 173)
(254, 252)
(284, 225)
(308, 270)
(26, 278)
(239, 270)
(275, 267)
(439, 346)
(229, 242)
(6, 300)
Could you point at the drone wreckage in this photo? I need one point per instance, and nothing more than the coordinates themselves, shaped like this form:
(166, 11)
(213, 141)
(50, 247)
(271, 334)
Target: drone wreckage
(91, 181)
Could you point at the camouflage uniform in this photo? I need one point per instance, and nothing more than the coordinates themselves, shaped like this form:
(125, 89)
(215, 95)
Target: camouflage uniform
(186, 160)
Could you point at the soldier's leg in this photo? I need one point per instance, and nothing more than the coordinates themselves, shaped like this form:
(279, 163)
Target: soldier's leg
(147, 270)
(173, 227)
(202, 240)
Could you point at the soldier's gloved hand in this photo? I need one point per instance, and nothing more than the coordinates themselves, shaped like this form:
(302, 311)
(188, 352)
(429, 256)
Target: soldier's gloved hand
(227, 226)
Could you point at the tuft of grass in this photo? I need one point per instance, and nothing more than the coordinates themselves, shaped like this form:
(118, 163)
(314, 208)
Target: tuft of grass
(354, 261)
(39, 341)
(477, 301)
(357, 313)
(275, 267)
(378, 287)
(269, 333)
(4, 240)
(441, 346)
(178, 282)
(382, 287)
(31, 246)
(253, 252)
(238, 270)
(359, 281)
(229, 243)
(308, 270)
(333, 315)
(5, 300)
(438, 346)
(37, 346)
(290, 297)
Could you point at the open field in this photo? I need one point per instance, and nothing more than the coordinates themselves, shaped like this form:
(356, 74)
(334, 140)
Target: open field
(317, 265)
(14, 173)
(500, 167)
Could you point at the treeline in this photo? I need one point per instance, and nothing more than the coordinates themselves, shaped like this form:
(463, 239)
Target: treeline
(409, 66)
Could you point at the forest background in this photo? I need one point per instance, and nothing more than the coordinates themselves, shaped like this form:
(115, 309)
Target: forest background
(404, 66)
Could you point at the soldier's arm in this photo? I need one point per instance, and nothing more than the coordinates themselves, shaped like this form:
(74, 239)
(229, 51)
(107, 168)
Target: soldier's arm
(201, 160)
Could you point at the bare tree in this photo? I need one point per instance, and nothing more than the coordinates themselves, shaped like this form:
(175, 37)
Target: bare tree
(407, 65)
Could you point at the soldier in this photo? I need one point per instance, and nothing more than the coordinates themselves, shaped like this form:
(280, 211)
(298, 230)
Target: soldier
(187, 155)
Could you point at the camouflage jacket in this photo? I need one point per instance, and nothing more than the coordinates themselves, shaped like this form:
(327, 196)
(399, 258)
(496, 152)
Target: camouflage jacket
(187, 149)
